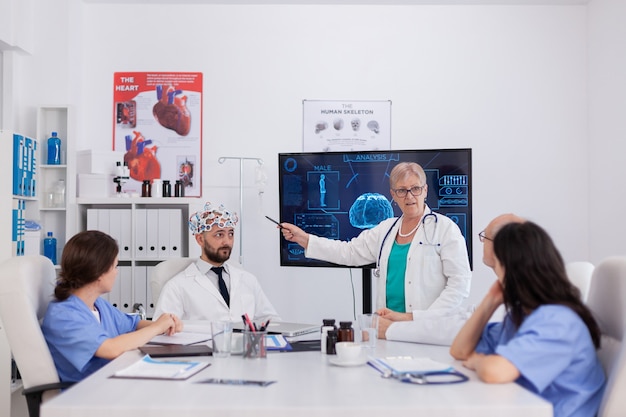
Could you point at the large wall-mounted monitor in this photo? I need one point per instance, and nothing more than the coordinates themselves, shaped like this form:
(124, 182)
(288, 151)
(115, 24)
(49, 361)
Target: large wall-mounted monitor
(339, 194)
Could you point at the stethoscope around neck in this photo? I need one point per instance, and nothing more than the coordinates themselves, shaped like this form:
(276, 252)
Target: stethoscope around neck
(428, 239)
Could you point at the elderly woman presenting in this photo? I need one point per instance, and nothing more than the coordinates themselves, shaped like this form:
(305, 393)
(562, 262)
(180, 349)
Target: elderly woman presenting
(422, 262)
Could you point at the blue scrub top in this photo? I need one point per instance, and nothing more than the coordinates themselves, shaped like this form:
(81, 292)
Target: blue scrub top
(73, 334)
(555, 356)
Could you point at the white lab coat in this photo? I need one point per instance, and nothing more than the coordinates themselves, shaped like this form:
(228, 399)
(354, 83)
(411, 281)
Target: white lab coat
(437, 275)
(192, 296)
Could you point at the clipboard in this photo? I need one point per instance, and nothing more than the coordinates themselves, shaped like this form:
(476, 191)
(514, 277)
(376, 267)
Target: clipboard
(167, 351)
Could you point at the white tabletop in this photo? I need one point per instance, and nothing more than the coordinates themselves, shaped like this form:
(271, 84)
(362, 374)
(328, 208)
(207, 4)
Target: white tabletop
(307, 385)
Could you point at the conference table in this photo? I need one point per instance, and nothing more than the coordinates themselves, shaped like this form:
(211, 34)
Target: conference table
(307, 384)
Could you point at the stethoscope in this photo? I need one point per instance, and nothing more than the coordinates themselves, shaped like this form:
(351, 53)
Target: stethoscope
(429, 240)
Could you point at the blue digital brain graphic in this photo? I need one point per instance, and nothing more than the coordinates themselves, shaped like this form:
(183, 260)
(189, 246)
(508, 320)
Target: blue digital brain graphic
(369, 209)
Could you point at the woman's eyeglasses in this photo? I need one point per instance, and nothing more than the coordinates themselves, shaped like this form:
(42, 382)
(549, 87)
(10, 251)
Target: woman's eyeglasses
(483, 237)
(415, 191)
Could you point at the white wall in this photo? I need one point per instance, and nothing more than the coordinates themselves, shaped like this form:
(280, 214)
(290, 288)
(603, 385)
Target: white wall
(508, 81)
(607, 128)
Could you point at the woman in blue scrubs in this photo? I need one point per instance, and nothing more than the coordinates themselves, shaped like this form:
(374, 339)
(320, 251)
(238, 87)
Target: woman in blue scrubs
(548, 339)
(83, 331)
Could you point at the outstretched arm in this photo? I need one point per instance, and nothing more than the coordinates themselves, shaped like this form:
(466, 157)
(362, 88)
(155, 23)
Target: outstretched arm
(146, 330)
(293, 233)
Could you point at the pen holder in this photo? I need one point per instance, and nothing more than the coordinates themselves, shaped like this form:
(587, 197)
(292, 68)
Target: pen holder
(254, 344)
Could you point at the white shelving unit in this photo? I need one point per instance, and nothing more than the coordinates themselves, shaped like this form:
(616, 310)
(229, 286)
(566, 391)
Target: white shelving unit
(134, 266)
(8, 248)
(50, 118)
(53, 217)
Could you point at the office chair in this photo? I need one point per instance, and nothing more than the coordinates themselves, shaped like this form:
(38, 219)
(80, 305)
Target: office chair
(607, 301)
(580, 273)
(164, 271)
(26, 287)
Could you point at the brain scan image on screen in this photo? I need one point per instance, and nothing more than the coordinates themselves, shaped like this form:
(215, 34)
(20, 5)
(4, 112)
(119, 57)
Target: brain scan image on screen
(369, 209)
(338, 195)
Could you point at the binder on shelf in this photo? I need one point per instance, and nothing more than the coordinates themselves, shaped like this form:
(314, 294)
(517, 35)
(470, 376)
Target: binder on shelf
(125, 279)
(140, 234)
(152, 233)
(103, 221)
(115, 225)
(115, 296)
(125, 236)
(163, 233)
(176, 233)
(140, 282)
(92, 219)
(150, 302)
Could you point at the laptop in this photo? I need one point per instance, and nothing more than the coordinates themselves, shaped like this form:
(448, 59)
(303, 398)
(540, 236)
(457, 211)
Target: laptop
(285, 328)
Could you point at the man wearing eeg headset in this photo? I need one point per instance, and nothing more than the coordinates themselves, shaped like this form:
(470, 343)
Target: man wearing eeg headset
(421, 257)
(202, 292)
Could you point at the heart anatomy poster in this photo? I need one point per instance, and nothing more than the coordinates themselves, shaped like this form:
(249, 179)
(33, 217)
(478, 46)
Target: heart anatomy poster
(157, 124)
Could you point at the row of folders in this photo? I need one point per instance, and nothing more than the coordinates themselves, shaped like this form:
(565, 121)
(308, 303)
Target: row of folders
(24, 166)
(18, 227)
(158, 233)
(129, 291)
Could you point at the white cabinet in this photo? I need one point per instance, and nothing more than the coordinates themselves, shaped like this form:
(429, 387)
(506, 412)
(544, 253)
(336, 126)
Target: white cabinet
(148, 231)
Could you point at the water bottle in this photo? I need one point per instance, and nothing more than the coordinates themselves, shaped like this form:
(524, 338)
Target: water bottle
(50, 248)
(54, 150)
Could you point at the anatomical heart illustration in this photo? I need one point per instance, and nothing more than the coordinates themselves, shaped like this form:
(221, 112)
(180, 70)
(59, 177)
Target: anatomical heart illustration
(141, 158)
(157, 127)
(171, 110)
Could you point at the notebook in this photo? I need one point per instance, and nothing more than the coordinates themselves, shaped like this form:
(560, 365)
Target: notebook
(285, 328)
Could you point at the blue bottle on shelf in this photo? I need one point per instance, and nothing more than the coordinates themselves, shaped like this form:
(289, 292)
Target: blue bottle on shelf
(54, 150)
(50, 248)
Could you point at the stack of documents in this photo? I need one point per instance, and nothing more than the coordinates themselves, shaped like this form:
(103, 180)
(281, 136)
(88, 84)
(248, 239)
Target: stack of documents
(149, 368)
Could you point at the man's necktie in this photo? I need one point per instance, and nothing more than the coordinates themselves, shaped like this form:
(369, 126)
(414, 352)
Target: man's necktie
(223, 290)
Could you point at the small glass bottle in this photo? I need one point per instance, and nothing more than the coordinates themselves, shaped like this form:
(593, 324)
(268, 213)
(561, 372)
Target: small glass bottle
(345, 332)
(179, 190)
(146, 188)
(58, 194)
(327, 326)
(167, 188)
(331, 341)
(156, 188)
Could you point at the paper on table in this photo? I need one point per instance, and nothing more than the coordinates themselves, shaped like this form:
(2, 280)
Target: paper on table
(182, 338)
(404, 364)
(150, 368)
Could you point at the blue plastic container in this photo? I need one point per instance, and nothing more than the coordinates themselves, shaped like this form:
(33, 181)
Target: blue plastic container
(50, 248)
(54, 150)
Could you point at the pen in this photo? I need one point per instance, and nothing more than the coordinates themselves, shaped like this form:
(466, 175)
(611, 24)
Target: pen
(264, 325)
(273, 221)
(249, 322)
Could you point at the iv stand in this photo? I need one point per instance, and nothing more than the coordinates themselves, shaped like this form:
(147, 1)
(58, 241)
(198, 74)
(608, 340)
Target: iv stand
(223, 159)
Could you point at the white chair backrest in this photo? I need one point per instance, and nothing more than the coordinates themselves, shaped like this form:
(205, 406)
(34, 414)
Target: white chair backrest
(580, 273)
(26, 287)
(607, 301)
(164, 271)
